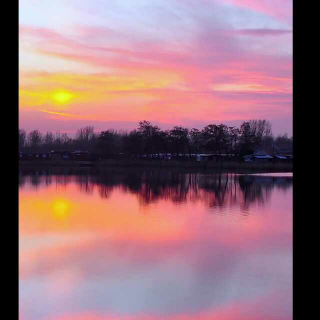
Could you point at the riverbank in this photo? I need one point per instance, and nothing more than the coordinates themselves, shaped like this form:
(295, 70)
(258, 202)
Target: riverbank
(161, 164)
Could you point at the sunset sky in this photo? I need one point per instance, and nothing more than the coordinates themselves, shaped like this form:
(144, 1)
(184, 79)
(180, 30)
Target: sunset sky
(111, 64)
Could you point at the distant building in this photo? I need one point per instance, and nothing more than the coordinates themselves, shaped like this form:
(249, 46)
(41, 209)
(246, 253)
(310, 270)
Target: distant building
(33, 155)
(260, 155)
(204, 157)
(69, 155)
(273, 152)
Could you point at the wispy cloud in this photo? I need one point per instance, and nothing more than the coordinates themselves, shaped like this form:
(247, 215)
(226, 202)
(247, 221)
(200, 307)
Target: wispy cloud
(61, 114)
(262, 32)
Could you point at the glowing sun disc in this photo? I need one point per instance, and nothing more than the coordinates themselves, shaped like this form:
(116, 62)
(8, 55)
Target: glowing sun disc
(62, 96)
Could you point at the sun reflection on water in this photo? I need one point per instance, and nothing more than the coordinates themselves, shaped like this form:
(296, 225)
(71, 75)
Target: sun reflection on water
(61, 208)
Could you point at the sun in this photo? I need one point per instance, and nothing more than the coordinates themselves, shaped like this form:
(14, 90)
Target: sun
(62, 97)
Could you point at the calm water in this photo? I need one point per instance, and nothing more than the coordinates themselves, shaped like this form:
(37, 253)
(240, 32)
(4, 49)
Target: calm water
(155, 245)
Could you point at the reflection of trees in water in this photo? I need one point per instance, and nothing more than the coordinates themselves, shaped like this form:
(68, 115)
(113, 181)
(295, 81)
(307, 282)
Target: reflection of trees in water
(63, 180)
(214, 190)
(254, 192)
(217, 189)
(22, 180)
(258, 189)
(48, 180)
(85, 184)
(163, 185)
(105, 191)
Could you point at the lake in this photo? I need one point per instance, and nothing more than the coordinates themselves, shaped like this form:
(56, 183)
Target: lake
(151, 245)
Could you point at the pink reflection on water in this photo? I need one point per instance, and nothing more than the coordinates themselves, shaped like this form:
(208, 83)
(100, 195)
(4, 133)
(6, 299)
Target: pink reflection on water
(86, 257)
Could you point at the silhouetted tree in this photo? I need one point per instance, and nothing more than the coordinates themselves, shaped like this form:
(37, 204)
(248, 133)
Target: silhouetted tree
(22, 139)
(86, 139)
(260, 129)
(234, 136)
(253, 132)
(246, 139)
(283, 139)
(107, 141)
(215, 138)
(150, 136)
(85, 134)
(179, 139)
(133, 143)
(34, 139)
(195, 139)
(48, 139)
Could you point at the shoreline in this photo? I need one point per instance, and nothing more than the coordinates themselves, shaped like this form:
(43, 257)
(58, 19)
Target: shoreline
(237, 167)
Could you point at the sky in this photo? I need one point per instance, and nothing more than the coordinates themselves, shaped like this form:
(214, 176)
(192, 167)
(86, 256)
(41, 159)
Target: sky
(111, 64)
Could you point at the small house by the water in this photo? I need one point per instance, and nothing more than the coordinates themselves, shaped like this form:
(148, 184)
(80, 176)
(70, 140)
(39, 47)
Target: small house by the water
(258, 156)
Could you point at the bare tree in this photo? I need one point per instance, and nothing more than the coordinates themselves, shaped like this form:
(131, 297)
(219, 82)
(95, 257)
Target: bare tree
(22, 138)
(260, 129)
(48, 138)
(179, 139)
(150, 136)
(85, 134)
(35, 139)
(195, 139)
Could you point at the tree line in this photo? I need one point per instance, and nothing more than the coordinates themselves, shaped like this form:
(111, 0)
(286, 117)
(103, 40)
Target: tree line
(150, 139)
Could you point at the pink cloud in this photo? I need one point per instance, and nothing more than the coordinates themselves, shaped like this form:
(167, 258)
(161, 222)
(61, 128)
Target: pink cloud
(242, 310)
(206, 75)
(262, 32)
(280, 10)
